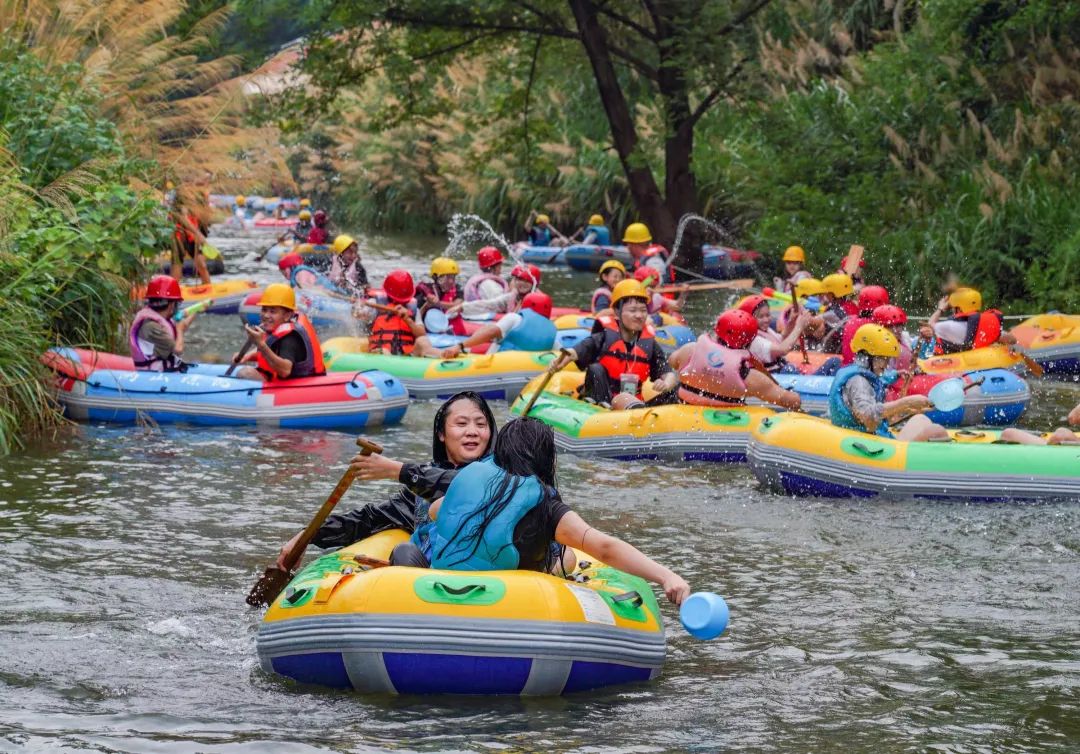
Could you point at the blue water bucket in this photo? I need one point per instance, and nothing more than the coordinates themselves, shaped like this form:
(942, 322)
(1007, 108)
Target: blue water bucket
(704, 615)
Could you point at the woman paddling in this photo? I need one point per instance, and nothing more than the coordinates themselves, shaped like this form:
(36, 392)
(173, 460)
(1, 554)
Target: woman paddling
(503, 513)
(463, 432)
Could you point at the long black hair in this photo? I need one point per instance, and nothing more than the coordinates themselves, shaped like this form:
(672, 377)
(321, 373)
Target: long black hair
(524, 448)
(438, 445)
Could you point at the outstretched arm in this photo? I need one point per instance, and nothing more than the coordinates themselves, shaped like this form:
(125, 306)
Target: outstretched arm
(572, 531)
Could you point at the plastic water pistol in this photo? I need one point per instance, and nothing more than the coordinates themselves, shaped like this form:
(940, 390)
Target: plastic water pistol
(193, 309)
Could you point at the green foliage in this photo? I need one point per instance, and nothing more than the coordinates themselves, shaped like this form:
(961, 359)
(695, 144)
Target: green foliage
(74, 233)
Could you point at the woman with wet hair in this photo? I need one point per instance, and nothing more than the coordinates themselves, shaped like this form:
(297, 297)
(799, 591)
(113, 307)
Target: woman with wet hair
(504, 511)
(464, 430)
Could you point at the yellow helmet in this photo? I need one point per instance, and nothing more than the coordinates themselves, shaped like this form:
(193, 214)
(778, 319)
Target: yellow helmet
(809, 287)
(596, 220)
(239, 201)
(341, 243)
(543, 219)
(169, 185)
(965, 300)
(305, 214)
(637, 233)
(795, 254)
(305, 202)
(628, 289)
(444, 266)
(279, 294)
(612, 264)
(838, 284)
(876, 341)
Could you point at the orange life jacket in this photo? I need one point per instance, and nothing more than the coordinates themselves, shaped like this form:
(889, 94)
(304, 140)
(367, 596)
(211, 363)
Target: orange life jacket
(619, 359)
(390, 332)
(983, 329)
(311, 366)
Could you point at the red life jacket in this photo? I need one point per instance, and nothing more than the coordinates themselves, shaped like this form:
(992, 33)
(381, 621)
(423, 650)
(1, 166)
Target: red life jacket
(318, 236)
(983, 329)
(311, 366)
(391, 333)
(618, 359)
(432, 292)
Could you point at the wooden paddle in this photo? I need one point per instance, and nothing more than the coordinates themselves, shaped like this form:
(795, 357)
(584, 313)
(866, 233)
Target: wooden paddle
(548, 374)
(724, 284)
(1033, 366)
(798, 309)
(248, 345)
(274, 579)
(262, 254)
(851, 261)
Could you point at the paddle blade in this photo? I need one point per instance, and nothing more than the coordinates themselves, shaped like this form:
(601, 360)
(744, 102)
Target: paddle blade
(210, 252)
(947, 395)
(268, 587)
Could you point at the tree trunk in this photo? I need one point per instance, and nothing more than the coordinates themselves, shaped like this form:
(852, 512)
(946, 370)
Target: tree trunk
(652, 207)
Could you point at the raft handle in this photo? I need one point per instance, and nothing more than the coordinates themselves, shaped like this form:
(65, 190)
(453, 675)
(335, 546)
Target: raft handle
(634, 597)
(866, 450)
(459, 591)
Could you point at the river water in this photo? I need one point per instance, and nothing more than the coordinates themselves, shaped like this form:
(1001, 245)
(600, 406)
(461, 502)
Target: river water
(856, 626)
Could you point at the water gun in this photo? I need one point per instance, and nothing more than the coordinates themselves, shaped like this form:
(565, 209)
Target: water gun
(812, 304)
(193, 309)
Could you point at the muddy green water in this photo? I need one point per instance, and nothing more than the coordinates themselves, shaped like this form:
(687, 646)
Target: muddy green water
(856, 626)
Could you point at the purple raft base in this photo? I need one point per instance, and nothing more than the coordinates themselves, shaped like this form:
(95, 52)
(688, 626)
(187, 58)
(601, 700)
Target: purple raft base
(453, 674)
(712, 457)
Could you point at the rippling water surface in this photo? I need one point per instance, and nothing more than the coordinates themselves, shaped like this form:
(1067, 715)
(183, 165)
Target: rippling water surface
(856, 626)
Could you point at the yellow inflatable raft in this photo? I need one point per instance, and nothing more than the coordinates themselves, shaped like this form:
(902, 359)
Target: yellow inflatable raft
(678, 432)
(798, 454)
(1053, 340)
(991, 357)
(425, 631)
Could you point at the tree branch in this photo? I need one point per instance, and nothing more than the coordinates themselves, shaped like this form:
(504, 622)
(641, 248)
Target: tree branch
(740, 19)
(525, 112)
(397, 16)
(711, 98)
(627, 21)
(646, 70)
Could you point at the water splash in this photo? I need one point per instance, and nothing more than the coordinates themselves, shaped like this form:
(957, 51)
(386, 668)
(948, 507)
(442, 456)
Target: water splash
(688, 218)
(466, 232)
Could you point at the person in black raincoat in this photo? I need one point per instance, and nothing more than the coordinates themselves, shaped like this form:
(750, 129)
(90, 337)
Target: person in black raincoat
(464, 432)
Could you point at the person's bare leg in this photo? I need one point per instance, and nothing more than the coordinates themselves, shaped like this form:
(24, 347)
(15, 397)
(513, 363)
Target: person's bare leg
(423, 347)
(200, 268)
(921, 429)
(624, 401)
(760, 386)
(248, 373)
(1063, 436)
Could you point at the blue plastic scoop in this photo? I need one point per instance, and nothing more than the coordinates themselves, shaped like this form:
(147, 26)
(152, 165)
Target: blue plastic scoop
(704, 615)
(436, 321)
(947, 395)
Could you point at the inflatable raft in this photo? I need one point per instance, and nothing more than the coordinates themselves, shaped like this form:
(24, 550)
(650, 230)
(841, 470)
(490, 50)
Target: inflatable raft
(1053, 340)
(227, 295)
(677, 432)
(997, 396)
(315, 255)
(397, 630)
(980, 359)
(102, 387)
(499, 375)
(797, 454)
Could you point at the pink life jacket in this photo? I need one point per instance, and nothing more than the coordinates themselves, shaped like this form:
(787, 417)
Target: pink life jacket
(601, 291)
(715, 374)
(142, 351)
(773, 338)
(472, 286)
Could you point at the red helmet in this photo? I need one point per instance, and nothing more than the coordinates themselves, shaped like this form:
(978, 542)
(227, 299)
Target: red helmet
(889, 315)
(163, 286)
(489, 256)
(871, 297)
(735, 328)
(530, 273)
(289, 261)
(641, 274)
(399, 286)
(539, 302)
(319, 217)
(751, 303)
